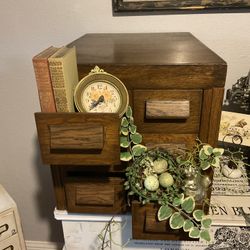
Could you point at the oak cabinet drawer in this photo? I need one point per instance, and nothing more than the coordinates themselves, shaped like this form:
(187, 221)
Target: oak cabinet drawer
(11, 243)
(169, 142)
(78, 139)
(146, 226)
(96, 195)
(167, 111)
(7, 225)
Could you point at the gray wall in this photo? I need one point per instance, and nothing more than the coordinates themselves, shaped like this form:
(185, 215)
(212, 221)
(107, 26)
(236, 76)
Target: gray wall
(29, 26)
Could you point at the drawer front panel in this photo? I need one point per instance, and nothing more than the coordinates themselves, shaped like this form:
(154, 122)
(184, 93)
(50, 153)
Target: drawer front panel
(95, 195)
(78, 138)
(169, 141)
(146, 226)
(7, 226)
(167, 111)
(11, 243)
(86, 194)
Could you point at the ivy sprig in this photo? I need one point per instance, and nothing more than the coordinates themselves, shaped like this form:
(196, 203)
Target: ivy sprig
(184, 215)
(130, 139)
(179, 210)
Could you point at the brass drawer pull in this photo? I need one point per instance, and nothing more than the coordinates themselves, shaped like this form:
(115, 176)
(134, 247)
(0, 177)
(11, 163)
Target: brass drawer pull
(4, 228)
(9, 248)
(87, 136)
(167, 109)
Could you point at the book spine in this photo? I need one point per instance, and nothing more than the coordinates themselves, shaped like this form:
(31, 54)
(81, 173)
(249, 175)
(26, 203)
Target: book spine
(59, 85)
(43, 80)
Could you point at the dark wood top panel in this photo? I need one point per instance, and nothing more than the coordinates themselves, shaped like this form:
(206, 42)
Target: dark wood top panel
(180, 48)
(162, 77)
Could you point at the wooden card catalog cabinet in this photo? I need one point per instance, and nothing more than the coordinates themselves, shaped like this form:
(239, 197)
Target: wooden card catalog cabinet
(175, 82)
(175, 85)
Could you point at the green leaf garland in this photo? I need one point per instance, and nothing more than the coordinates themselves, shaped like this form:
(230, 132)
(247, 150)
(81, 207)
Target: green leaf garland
(176, 221)
(188, 204)
(174, 205)
(164, 212)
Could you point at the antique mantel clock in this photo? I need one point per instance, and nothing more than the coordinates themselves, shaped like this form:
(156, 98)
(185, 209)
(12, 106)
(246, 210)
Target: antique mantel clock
(100, 92)
(161, 72)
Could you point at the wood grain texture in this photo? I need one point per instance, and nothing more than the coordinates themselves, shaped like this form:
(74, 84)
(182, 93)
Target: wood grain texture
(88, 136)
(169, 141)
(86, 194)
(215, 116)
(151, 60)
(96, 195)
(205, 114)
(58, 185)
(162, 67)
(110, 153)
(144, 49)
(162, 77)
(190, 125)
(152, 225)
(146, 226)
(167, 109)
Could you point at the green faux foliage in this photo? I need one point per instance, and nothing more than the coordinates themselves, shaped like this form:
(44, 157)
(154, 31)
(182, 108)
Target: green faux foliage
(206, 222)
(124, 122)
(164, 212)
(130, 139)
(174, 206)
(198, 214)
(194, 233)
(176, 221)
(132, 129)
(124, 143)
(138, 149)
(177, 201)
(218, 151)
(188, 204)
(129, 112)
(208, 150)
(136, 138)
(204, 165)
(205, 235)
(125, 156)
(124, 131)
(188, 225)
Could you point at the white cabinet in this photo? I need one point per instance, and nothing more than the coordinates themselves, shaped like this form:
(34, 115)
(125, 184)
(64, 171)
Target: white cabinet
(11, 235)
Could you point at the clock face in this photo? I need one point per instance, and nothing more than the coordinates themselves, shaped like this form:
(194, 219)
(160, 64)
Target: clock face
(101, 92)
(101, 97)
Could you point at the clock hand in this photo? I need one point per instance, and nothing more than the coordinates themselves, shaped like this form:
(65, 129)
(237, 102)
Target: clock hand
(95, 103)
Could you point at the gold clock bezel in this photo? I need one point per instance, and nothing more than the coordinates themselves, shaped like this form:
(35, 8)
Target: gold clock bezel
(99, 75)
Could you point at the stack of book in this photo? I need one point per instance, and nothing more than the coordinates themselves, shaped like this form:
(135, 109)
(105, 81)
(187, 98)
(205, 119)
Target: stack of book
(56, 76)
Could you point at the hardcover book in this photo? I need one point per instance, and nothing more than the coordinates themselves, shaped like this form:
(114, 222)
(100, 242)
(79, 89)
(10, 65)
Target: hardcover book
(64, 77)
(43, 80)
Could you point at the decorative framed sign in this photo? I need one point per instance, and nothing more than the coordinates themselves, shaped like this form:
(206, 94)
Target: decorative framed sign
(234, 130)
(177, 6)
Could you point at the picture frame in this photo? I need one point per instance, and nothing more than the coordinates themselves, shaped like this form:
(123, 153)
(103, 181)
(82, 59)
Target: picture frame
(137, 7)
(234, 130)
